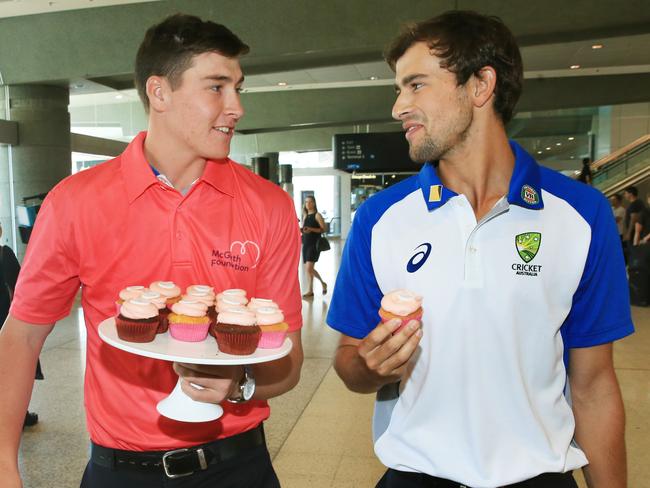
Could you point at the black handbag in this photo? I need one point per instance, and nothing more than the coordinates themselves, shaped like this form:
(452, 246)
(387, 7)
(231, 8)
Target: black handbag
(322, 244)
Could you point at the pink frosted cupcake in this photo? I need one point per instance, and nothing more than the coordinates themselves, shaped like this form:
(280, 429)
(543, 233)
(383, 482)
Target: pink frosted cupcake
(401, 304)
(127, 294)
(272, 326)
(188, 321)
(236, 332)
(137, 321)
(225, 302)
(224, 307)
(257, 303)
(168, 289)
(234, 294)
(161, 302)
(204, 294)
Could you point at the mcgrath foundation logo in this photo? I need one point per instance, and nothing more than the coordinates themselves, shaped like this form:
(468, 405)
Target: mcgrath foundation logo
(241, 256)
(419, 258)
(529, 195)
(527, 246)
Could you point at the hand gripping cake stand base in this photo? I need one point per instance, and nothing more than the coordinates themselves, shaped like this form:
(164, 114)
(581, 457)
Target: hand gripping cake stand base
(179, 406)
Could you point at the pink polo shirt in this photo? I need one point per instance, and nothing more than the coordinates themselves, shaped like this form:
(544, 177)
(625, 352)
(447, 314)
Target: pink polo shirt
(116, 225)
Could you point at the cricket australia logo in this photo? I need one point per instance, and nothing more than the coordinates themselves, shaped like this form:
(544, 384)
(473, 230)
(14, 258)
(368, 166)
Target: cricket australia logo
(527, 246)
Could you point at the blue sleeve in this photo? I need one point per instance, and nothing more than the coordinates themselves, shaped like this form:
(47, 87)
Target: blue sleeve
(600, 312)
(357, 297)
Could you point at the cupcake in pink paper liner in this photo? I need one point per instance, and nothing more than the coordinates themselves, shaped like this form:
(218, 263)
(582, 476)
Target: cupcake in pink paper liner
(401, 304)
(236, 332)
(127, 294)
(188, 321)
(272, 326)
(137, 321)
(205, 297)
(161, 302)
(168, 289)
(257, 303)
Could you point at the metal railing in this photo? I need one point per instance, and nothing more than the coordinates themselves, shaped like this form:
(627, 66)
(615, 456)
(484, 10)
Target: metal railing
(627, 166)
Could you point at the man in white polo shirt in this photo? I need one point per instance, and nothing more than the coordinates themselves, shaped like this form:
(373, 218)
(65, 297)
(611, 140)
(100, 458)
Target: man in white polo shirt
(508, 380)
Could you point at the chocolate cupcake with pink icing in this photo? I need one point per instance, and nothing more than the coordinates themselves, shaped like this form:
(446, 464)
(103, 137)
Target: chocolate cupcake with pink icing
(401, 304)
(137, 321)
(236, 331)
(161, 302)
(168, 289)
(188, 321)
(127, 294)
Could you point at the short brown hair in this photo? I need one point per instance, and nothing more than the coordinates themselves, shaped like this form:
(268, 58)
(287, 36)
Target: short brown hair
(169, 47)
(467, 42)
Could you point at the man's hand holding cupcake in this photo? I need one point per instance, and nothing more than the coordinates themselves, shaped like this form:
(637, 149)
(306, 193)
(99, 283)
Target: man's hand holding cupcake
(385, 353)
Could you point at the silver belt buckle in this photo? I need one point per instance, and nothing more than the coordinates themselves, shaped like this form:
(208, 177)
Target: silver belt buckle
(166, 467)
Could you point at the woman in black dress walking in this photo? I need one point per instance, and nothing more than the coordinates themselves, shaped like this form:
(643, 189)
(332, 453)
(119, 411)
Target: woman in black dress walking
(313, 226)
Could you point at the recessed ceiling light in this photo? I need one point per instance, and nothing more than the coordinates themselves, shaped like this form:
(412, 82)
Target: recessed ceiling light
(571, 138)
(282, 83)
(393, 176)
(373, 78)
(597, 46)
(558, 143)
(119, 96)
(573, 157)
(574, 66)
(548, 148)
(539, 152)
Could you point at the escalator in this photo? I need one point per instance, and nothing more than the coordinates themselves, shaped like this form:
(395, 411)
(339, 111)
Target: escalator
(625, 167)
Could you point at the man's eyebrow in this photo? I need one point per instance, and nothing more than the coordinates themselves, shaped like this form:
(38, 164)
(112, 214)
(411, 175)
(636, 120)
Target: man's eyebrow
(408, 79)
(225, 78)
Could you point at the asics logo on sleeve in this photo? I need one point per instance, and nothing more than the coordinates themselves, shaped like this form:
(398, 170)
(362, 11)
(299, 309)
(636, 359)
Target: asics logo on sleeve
(419, 258)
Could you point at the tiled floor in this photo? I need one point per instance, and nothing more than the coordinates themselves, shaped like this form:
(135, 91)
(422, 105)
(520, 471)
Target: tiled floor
(318, 434)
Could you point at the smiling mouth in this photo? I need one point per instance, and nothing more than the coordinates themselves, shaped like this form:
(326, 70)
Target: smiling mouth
(412, 129)
(225, 130)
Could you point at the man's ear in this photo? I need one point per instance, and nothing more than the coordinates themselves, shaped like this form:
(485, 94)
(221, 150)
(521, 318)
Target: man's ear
(484, 83)
(158, 91)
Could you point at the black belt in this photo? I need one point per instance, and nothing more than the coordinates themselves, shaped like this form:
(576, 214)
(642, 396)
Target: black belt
(178, 462)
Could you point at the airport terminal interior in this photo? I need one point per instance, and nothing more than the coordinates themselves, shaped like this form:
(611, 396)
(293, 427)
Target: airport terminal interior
(318, 98)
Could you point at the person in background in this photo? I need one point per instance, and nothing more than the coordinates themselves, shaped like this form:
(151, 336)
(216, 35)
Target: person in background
(585, 173)
(644, 235)
(635, 216)
(522, 280)
(618, 210)
(313, 226)
(9, 269)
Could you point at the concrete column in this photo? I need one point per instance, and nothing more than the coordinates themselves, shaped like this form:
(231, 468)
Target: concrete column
(42, 156)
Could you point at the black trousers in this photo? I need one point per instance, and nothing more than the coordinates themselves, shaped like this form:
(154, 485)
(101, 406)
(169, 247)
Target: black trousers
(251, 469)
(400, 479)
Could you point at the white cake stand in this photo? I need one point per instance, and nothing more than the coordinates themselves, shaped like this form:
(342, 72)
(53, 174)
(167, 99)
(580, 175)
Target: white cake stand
(179, 406)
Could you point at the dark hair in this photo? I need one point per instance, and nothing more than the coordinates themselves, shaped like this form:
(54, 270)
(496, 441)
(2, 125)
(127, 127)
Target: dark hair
(632, 190)
(169, 47)
(617, 197)
(466, 42)
(304, 205)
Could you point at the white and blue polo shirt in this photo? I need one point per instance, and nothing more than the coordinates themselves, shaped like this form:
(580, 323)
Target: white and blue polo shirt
(504, 300)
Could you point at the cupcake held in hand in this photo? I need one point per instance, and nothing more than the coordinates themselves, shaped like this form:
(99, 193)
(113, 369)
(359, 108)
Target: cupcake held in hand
(161, 302)
(401, 304)
(168, 289)
(188, 321)
(137, 321)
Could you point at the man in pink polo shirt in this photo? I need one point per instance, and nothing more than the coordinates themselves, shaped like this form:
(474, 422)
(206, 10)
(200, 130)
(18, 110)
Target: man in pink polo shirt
(171, 207)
